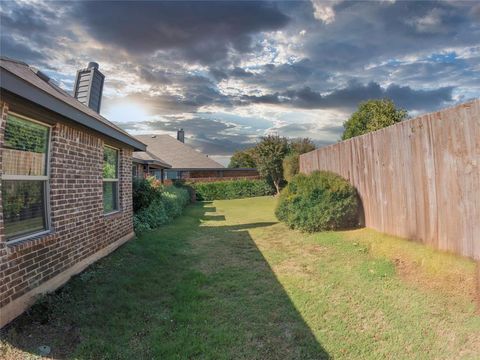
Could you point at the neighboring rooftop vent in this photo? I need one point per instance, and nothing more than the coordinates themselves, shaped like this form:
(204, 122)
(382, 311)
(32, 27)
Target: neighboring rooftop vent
(89, 86)
(181, 135)
(41, 74)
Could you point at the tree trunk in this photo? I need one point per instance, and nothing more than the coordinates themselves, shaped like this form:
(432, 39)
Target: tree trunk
(277, 187)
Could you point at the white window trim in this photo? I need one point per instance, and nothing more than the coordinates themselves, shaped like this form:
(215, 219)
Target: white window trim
(117, 180)
(45, 178)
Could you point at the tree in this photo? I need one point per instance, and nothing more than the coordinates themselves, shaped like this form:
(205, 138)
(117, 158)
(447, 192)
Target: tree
(269, 155)
(301, 145)
(372, 115)
(291, 164)
(243, 159)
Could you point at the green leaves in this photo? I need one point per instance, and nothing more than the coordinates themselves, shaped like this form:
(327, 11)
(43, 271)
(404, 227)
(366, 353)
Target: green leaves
(318, 202)
(110, 163)
(234, 189)
(166, 205)
(269, 155)
(372, 115)
(25, 135)
(243, 159)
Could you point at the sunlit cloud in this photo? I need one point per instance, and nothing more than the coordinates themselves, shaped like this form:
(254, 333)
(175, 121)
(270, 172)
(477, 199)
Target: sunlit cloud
(293, 68)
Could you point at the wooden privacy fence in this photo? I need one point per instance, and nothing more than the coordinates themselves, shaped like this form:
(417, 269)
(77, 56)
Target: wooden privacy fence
(418, 179)
(17, 162)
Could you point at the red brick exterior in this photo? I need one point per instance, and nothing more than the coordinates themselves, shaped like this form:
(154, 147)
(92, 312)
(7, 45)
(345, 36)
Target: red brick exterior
(230, 173)
(79, 227)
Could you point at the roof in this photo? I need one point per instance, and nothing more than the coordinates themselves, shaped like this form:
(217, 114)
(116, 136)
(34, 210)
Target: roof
(146, 157)
(19, 78)
(176, 153)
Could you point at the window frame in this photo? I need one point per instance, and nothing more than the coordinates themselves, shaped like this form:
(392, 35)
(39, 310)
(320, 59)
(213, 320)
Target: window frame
(117, 180)
(44, 178)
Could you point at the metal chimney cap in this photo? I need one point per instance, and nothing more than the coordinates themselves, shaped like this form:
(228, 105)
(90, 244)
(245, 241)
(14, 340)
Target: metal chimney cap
(92, 64)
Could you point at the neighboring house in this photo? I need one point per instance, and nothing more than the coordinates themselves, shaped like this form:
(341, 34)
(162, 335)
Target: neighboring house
(147, 164)
(66, 185)
(185, 161)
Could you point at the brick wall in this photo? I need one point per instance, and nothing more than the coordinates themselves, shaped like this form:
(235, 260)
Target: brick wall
(232, 173)
(79, 227)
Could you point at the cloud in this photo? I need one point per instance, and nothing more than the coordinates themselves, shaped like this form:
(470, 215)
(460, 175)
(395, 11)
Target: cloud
(203, 32)
(18, 50)
(229, 72)
(429, 23)
(349, 97)
(206, 135)
(323, 10)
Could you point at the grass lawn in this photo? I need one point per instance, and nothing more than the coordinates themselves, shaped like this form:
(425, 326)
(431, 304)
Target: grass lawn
(226, 281)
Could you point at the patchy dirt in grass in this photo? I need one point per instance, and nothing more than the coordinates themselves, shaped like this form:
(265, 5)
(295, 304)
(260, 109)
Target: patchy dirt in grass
(25, 340)
(413, 263)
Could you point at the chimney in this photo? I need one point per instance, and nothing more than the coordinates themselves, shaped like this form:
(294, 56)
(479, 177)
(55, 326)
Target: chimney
(89, 86)
(181, 135)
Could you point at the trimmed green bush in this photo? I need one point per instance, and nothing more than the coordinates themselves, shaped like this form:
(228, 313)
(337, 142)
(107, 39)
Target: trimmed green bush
(144, 192)
(318, 202)
(163, 209)
(232, 189)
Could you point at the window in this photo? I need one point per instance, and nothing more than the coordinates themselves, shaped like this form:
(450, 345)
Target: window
(110, 179)
(172, 175)
(25, 178)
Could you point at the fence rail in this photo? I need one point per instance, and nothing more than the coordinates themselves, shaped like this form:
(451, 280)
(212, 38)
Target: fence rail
(419, 179)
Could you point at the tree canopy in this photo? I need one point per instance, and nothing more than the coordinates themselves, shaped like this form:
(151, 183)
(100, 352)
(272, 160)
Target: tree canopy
(275, 157)
(243, 159)
(269, 155)
(372, 115)
(291, 163)
(301, 145)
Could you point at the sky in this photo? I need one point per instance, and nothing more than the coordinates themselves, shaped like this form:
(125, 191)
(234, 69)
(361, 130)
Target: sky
(230, 72)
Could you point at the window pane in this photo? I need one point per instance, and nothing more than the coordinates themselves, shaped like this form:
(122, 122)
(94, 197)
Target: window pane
(23, 207)
(110, 196)
(25, 151)
(110, 163)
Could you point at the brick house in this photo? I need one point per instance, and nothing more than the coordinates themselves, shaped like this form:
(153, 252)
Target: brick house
(181, 161)
(147, 164)
(66, 187)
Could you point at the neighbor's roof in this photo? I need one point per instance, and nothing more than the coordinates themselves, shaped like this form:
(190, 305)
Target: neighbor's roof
(27, 82)
(146, 157)
(176, 153)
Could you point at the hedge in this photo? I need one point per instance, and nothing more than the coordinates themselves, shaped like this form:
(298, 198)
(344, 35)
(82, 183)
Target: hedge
(317, 202)
(167, 204)
(145, 191)
(232, 189)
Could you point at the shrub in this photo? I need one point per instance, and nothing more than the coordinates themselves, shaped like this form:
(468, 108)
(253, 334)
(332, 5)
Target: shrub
(167, 205)
(317, 202)
(233, 189)
(291, 166)
(145, 191)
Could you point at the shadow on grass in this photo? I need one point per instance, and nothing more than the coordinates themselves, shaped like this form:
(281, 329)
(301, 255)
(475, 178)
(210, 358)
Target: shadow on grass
(183, 291)
(213, 217)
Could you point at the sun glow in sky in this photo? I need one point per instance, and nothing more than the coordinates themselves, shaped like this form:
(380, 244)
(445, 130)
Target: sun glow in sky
(127, 111)
(228, 72)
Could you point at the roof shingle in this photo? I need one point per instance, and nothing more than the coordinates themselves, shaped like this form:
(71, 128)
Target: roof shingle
(176, 153)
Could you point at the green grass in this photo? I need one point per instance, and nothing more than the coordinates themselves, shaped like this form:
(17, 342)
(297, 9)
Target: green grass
(226, 281)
